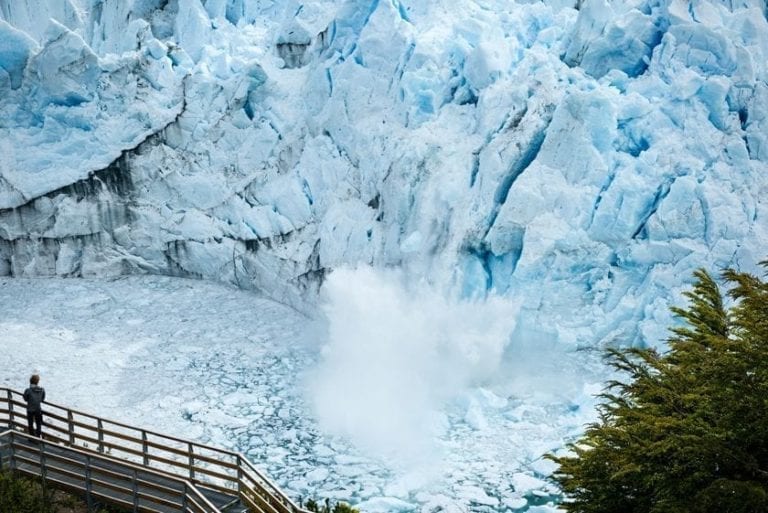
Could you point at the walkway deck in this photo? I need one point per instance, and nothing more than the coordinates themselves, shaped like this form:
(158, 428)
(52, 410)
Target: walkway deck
(142, 471)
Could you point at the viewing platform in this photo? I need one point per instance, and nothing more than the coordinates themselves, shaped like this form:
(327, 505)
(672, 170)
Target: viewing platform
(113, 463)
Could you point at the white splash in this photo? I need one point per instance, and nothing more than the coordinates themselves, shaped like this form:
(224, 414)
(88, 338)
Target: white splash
(396, 354)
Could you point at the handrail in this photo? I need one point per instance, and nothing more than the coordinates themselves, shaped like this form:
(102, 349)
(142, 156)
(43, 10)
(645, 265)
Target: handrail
(188, 493)
(212, 467)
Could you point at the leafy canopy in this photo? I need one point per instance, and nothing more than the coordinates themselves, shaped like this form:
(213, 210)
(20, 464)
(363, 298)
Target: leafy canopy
(688, 430)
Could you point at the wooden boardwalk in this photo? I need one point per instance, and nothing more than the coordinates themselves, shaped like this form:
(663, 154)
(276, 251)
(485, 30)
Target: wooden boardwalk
(136, 469)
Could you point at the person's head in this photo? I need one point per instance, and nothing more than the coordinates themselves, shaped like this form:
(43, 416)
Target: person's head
(34, 379)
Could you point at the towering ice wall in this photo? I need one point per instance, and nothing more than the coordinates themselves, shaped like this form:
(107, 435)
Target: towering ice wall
(582, 156)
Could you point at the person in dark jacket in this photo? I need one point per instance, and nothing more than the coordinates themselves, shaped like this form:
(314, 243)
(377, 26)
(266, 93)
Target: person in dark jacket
(35, 395)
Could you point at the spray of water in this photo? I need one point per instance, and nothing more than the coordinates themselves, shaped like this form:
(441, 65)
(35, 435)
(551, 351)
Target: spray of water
(395, 354)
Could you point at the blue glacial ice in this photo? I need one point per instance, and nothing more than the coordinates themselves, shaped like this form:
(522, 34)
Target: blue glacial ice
(575, 160)
(581, 158)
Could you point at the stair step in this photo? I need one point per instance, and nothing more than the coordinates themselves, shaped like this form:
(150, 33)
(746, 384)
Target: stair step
(235, 507)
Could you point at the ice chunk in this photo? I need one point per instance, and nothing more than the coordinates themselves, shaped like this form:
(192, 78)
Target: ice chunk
(66, 69)
(525, 483)
(544, 509)
(544, 467)
(15, 50)
(614, 37)
(319, 474)
(192, 28)
(385, 505)
(477, 496)
(33, 16)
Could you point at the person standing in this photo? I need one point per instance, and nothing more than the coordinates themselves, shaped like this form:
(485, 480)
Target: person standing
(35, 395)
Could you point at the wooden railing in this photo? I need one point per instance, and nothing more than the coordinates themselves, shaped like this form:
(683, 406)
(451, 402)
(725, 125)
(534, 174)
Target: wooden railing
(202, 465)
(98, 477)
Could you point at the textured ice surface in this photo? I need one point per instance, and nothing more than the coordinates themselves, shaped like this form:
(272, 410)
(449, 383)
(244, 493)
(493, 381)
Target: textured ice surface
(571, 161)
(156, 352)
(581, 157)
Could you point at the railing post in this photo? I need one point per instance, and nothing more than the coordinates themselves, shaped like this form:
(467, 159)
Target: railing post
(42, 465)
(184, 498)
(100, 434)
(239, 475)
(12, 459)
(71, 428)
(135, 491)
(145, 447)
(191, 461)
(10, 409)
(88, 484)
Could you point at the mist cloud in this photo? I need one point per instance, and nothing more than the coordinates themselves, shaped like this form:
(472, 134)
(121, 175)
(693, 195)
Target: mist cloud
(395, 355)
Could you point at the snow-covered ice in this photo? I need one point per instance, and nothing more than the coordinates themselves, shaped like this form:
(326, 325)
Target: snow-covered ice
(223, 366)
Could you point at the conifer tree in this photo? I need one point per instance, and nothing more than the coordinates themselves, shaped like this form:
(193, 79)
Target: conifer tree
(687, 431)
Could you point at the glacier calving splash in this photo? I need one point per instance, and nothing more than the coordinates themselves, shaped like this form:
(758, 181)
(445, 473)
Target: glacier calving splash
(582, 157)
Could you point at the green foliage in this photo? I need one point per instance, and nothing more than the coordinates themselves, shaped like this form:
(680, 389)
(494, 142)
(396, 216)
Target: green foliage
(339, 507)
(25, 495)
(22, 496)
(688, 431)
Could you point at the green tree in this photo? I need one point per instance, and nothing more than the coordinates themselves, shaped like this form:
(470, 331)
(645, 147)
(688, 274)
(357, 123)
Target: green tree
(339, 507)
(21, 496)
(687, 431)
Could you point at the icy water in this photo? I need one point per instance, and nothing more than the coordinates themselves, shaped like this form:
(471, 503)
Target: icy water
(223, 366)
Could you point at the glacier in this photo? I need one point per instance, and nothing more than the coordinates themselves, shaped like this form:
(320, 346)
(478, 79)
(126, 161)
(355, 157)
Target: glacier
(564, 164)
(582, 157)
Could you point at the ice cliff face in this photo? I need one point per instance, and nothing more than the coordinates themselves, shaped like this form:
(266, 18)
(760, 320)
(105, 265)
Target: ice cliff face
(583, 156)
